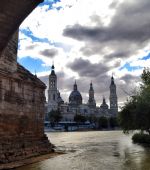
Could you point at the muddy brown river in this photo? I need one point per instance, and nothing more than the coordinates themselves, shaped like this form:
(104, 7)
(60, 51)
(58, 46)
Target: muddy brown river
(94, 150)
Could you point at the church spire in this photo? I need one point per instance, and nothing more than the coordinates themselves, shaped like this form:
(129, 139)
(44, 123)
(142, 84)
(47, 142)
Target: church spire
(112, 80)
(75, 86)
(52, 69)
(91, 86)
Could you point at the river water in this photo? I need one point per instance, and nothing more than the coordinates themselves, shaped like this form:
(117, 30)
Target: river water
(94, 150)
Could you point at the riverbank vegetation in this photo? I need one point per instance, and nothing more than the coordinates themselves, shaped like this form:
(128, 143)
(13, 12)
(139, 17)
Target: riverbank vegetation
(54, 117)
(135, 115)
(90, 122)
(141, 138)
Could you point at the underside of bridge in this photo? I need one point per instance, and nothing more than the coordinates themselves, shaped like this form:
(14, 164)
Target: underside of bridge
(12, 13)
(22, 94)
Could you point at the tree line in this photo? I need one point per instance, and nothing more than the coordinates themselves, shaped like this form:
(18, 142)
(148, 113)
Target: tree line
(135, 114)
(102, 122)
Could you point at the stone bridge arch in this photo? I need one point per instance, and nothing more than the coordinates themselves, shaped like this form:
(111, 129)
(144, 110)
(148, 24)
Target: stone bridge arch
(12, 13)
(22, 96)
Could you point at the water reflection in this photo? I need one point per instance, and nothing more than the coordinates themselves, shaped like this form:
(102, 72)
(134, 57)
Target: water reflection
(110, 150)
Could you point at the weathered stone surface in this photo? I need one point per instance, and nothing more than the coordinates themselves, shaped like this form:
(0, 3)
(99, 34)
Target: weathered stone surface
(12, 13)
(8, 58)
(20, 148)
(22, 101)
(22, 94)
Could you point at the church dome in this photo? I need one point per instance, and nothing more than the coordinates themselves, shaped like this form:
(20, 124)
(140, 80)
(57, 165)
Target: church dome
(75, 97)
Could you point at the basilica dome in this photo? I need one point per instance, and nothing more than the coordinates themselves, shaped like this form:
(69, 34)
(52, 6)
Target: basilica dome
(75, 97)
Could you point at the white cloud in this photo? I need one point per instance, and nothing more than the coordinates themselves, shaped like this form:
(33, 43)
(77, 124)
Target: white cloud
(49, 23)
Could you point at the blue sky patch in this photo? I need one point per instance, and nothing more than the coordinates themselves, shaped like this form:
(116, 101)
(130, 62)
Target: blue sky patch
(146, 57)
(29, 33)
(33, 65)
(49, 3)
(130, 68)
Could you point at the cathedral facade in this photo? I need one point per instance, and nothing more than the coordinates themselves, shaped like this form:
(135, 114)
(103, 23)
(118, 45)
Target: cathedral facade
(75, 104)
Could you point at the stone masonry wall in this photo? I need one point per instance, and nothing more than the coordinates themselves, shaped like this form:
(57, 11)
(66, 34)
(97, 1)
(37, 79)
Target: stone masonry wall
(8, 58)
(22, 101)
(22, 94)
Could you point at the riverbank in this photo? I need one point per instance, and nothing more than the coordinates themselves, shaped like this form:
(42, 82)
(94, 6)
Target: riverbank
(28, 161)
(78, 129)
(94, 150)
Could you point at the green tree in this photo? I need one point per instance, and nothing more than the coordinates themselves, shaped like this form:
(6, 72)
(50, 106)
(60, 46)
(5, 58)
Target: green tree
(54, 117)
(92, 119)
(102, 122)
(146, 77)
(135, 115)
(113, 122)
(79, 118)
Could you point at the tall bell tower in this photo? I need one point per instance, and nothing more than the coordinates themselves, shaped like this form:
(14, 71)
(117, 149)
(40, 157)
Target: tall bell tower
(113, 98)
(91, 101)
(52, 91)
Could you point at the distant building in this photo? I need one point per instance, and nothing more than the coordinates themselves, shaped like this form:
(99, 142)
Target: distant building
(54, 98)
(113, 98)
(75, 105)
(75, 98)
(91, 101)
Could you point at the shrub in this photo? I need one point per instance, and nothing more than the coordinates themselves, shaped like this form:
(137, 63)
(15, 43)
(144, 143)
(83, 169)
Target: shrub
(103, 122)
(113, 122)
(79, 118)
(141, 138)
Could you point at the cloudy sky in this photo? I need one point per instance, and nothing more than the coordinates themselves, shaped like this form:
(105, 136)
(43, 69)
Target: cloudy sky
(88, 41)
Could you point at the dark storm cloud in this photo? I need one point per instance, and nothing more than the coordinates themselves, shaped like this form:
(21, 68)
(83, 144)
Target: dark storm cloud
(128, 78)
(87, 69)
(92, 48)
(118, 54)
(130, 23)
(83, 33)
(51, 53)
(128, 30)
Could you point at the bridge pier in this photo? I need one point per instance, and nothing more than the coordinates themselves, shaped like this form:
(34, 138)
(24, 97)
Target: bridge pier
(22, 95)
